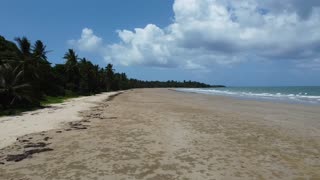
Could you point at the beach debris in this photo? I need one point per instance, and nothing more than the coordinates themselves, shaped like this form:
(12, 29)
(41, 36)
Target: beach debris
(77, 125)
(46, 138)
(112, 118)
(58, 131)
(35, 145)
(1, 163)
(22, 140)
(95, 115)
(26, 154)
(80, 128)
(113, 96)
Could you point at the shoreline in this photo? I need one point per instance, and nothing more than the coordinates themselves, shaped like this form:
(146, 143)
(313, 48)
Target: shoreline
(53, 116)
(163, 134)
(259, 99)
(240, 105)
(253, 99)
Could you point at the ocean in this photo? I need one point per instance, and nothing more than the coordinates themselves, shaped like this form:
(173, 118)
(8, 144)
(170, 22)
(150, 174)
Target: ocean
(292, 94)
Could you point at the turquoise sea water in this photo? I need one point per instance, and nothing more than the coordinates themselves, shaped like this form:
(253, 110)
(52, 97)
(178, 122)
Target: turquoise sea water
(297, 94)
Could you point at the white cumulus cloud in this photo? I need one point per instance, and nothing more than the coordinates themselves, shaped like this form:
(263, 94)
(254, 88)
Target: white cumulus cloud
(206, 33)
(88, 41)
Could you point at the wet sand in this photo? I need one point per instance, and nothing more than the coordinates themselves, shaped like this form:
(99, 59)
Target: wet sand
(163, 134)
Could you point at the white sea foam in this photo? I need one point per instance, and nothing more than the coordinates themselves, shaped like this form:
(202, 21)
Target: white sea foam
(301, 97)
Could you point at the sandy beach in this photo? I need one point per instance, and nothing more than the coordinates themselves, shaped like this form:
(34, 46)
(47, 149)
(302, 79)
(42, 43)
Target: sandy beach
(51, 117)
(163, 134)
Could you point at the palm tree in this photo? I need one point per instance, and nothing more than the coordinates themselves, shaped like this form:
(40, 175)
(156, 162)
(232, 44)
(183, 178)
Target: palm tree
(44, 70)
(110, 76)
(88, 77)
(32, 65)
(24, 46)
(39, 50)
(28, 63)
(71, 57)
(72, 70)
(13, 88)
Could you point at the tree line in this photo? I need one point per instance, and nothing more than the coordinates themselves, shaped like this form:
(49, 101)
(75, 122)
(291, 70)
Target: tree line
(27, 77)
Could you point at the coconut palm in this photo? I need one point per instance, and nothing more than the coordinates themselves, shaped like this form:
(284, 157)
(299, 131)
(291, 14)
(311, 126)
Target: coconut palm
(12, 87)
(44, 69)
(27, 62)
(39, 51)
(110, 76)
(71, 57)
(72, 70)
(24, 46)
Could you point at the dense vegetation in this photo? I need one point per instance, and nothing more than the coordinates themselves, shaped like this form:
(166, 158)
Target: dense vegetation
(27, 77)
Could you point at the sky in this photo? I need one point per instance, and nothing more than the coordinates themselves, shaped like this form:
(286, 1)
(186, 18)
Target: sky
(235, 43)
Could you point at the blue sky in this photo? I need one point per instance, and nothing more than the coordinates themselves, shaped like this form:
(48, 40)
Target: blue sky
(218, 42)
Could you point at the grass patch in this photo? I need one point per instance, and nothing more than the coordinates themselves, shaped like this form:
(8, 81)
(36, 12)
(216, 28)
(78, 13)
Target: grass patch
(59, 99)
(47, 101)
(52, 100)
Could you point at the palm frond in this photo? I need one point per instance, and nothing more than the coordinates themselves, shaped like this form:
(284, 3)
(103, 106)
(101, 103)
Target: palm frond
(21, 86)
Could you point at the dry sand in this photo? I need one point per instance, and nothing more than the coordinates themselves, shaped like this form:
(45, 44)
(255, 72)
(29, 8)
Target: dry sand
(162, 134)
(51, 117)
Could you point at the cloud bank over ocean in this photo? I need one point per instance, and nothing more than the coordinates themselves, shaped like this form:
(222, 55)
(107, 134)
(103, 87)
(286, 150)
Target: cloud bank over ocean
(207, 33)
